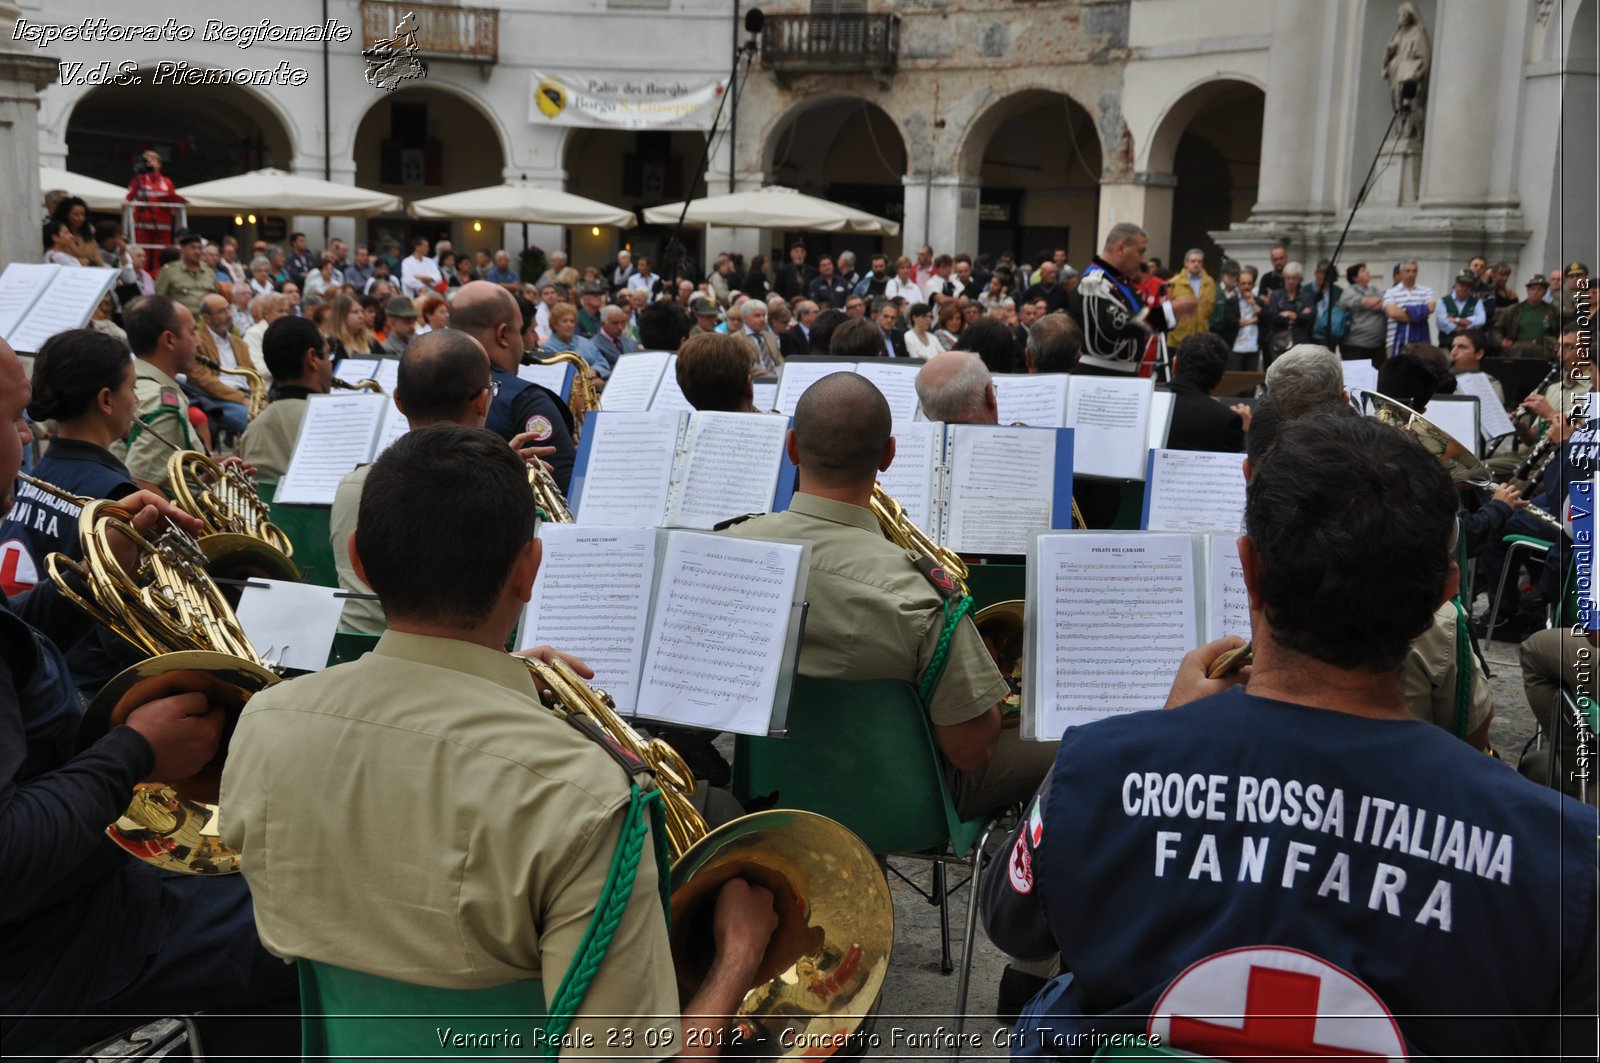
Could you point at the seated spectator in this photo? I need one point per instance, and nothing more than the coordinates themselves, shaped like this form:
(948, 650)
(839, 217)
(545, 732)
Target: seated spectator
(1200, 422)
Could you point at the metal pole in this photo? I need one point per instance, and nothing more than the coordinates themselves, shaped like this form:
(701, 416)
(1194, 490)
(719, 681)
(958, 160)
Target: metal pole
(733, 120)
(327, 120)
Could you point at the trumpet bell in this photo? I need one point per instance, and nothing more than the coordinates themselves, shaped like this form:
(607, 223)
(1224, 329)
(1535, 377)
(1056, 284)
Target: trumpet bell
(1460, 461)
(826, 963)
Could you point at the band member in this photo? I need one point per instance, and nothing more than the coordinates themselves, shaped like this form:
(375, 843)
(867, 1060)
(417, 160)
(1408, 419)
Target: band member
(1118, 320)
(162, 333)
(401, 889)
(1459, 934)
(296, 354)
(714, 373)
(86, 936)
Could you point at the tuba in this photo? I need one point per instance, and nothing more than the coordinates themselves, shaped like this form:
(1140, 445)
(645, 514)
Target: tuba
(257, 382)
(172, 610)
(584, 395)
(826, 963)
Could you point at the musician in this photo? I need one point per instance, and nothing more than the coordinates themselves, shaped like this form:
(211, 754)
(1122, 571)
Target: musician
(86, 929)
(955, 387)
(82, 380)
(161, 332)
(714, 373)
(296, 353)
(1556, 659)
(1118, 320)
(1054, 345)
(1470, 955)
(1467, 350)
(476, 830)
(1200, 422)
(489, 314)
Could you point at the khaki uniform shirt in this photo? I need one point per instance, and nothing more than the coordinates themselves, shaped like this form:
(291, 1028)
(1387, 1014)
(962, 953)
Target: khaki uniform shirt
(360, 615)
(186, 285)
(1428, 676)
(164, 407)
(417, 815)
(873, 614)
(268, 443)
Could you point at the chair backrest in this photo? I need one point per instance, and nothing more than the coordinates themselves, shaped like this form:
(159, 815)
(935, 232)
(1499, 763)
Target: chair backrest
(351, 1015)
(350, 646)
(860, 752)
(307, 529)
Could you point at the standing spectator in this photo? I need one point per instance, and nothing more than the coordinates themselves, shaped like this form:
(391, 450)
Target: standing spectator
(1244, 309)
(324, 278)
(999, 283)
(447, 269)
(152, 225)
(1272, 280)
(755, 283)
(1365, 335)
(925, 268)
(501, 272)
(418, 272)
(1051, 290)
(1460, 308)
(828, 288)
(847, 268)
(1526, 329)
(187, 278)
(361, 269)
(1328, 327)
(1408, 306)
(888, 319)
(795, 276)
(1289, 312)
(561, 273)
(920, 343)
(301, 261)
(723, 279)
(623, 271)
(902, 285)
(1202, 288)
(644, 281)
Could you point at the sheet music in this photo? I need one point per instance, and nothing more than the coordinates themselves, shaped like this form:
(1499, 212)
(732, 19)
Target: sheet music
(797, 376)
(290, 624)
(1002, 485)
(732, 468)
(633, 381)
(1227, 603)
(669, 396)
(393, 426)
(1358, 373)
(766, 395)
(1111, 419)
(1036, 399)
(1458, 416)
(912, 478)
(554, 377)
(337, 434)
(898, 383)
(628, 480)
(1493, 421)
(1196, 491)
(388, 375)
(1115, 615)
(68, 302)
(721, 621)
(592, 599)
(355, 370)
(20, 285)
(1161, 403)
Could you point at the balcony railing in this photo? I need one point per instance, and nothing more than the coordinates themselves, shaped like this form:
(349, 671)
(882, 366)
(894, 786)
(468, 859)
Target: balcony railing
(830, 44)
(444, 31)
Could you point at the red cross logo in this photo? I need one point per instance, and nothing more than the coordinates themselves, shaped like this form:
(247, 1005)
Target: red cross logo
(17, 572)
(1270, 1004)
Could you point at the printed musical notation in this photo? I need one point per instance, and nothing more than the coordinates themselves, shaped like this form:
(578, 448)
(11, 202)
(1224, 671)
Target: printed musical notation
(898, 383)
(732, 468)
(1227, 603)
(1196, 490)
(721, 623)
(1112, 420)
(669, 396)
(634, 380)
(592, 599)
(20, 286)
(66, 302)
(1035, 399)
(1116, 613)
(912, 478)
(629, 474)
(338, 434)
(1002, 484)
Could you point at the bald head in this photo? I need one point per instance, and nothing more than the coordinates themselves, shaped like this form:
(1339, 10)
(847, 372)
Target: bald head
(444, 377)
(842, 432)
(488, 313)
(955, 387)
(212, 302)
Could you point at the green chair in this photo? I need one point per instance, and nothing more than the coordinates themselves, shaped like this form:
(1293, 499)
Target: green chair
(351, 1015)
(349, 646)
(307, 529)
(863, 753)
(1535, 548)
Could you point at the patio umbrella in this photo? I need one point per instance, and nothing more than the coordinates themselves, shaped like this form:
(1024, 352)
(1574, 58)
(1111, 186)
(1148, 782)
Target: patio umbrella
(773, 207)
(520, 201)
(285, 193)
(99, 195)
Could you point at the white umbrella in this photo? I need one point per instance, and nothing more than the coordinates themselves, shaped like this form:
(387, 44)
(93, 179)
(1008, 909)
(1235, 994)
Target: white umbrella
(99, 195)
(773, 207)
(520, 201)
(282, 192)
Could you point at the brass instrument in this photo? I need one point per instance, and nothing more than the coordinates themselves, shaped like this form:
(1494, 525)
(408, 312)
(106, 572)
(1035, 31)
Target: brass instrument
(257, 382)
(584, 395)
(826, 963)
(172, 610)
(1231, 661)
(360, 385)
(240, 536)
(899, 529)
(547, 495)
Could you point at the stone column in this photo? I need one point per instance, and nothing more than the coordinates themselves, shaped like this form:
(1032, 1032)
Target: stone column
(1146, 200)
(1464, 85)
(1288, 177)
(23, 73)
(941, 212)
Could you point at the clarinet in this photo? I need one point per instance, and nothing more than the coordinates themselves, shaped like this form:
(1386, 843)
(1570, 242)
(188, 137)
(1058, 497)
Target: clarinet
(1532, 466)
(1549, 378)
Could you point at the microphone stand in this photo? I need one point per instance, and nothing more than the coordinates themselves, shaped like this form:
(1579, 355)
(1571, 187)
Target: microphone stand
(1407, 92)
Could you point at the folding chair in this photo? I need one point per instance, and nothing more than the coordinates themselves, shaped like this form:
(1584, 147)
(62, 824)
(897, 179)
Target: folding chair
(862, 753)
(307, 529)
(1535, 549)
(348, 1015)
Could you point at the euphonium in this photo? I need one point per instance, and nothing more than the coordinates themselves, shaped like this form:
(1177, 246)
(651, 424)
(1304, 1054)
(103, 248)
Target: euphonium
(257, 382)
(584, 395)
(825, 964)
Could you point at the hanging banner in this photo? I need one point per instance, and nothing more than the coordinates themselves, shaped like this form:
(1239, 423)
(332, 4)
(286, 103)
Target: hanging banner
(632, 101)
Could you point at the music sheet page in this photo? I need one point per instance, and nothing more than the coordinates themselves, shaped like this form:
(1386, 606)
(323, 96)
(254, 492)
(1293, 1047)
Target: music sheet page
(1116, 613)
(912, 477)
(1111, 418)
(388, 375)
(1002, 484)
(355, 370)
(633, 381)
(1036, 399)
(629, 476)
(1227, 604)
(1196, 491)
(797, 376)
(732, 468)
(1161, 403)
(669, 396)
(337, 434)
(1358, 373)
(554, 377)
(393, 426)
(897, 380)
(765, 398)
(592, 599)
(20, 285)
(720, 623)
(290, 624)
(1493, 421)
(68, 302)
(1457, 416)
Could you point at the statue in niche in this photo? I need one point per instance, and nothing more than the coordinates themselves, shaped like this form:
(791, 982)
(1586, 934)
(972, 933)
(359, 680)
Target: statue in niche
(1406, 62)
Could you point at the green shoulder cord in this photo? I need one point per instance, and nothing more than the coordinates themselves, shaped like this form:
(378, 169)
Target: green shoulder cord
(954, 610)
(1465, 672)
(644, 808)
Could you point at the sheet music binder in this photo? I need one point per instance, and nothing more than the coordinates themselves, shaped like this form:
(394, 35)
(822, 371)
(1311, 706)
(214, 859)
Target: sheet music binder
(595, 426)
(636, 381)
(40, 300)
(293, 489)
(557, 378)
(1154, 482)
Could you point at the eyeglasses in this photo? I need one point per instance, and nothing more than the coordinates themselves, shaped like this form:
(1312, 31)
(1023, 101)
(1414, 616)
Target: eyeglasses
(494, 389)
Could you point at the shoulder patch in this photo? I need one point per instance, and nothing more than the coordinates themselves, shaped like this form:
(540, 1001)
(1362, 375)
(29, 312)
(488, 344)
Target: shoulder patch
(935, 574)
(540, 427)
(731, 521)
(169, 396)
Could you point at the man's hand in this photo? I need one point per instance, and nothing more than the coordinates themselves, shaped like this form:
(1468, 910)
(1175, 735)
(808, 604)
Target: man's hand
(234, 461)
(523, 445)
(1245, 413)
(547, 654)
(1191, 684)
(149, 509)
(1510, 495)
(744, 922)
(1540, 406)
(183, 731)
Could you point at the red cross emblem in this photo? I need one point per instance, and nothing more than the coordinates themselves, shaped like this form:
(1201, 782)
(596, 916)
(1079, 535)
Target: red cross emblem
(942, 578)
(17, 571)
(1269, 1004)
